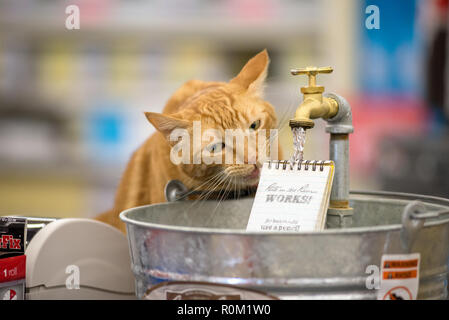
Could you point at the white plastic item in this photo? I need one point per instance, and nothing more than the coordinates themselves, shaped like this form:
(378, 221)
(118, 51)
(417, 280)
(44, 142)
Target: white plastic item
(99, 251)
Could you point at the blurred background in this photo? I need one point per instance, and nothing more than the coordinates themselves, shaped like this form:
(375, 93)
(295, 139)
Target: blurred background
(72, 101)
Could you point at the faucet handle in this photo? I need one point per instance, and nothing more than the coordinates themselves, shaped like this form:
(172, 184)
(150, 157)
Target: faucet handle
(311, 72)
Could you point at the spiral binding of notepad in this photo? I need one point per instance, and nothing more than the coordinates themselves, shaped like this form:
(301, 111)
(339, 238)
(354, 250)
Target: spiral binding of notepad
(298, 165)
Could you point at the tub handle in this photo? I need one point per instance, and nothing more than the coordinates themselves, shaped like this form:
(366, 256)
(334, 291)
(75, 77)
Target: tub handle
(411, 225)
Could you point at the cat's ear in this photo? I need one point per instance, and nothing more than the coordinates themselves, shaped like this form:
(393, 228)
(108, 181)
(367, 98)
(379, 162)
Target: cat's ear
(252, 76)
(166, 124)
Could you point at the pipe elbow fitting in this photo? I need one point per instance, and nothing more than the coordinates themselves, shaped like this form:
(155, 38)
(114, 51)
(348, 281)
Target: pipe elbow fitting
(341, 123)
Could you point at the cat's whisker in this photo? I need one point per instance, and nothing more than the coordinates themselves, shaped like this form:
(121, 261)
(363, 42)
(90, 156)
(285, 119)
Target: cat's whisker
(193, 181)
(210, 192)
(220, 199)
(227, 190)
(268, 142)
(236, 189)
(198, 188)
(202, 197)
(216, 179)
(214, 182)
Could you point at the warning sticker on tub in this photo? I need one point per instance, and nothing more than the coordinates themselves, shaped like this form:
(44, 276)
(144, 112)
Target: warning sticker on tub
(399, 277)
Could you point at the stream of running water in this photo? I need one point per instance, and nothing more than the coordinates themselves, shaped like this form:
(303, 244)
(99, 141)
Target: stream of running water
(299, 139)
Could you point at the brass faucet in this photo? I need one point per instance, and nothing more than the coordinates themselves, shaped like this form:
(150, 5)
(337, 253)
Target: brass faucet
(314, 104)
(337, 113)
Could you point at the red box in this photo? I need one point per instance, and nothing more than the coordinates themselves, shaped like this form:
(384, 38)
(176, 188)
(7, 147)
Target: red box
(12, 278)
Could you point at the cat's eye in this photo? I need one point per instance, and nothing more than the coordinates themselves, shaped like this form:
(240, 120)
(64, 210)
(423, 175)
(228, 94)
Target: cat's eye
(255, 125)
(216, 147)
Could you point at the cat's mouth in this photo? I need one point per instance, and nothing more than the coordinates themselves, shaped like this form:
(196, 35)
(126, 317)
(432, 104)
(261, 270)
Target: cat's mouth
(252, 179)
(244, 176)
(255, 174)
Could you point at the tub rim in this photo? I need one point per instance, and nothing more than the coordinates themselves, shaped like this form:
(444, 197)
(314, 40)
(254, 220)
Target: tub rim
(235, 232)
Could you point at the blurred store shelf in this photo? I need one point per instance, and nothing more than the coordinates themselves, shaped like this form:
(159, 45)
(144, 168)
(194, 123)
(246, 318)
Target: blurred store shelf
(217, 20)
(234, 33)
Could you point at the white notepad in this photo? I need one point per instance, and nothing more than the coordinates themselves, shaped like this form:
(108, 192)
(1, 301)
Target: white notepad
(292, 197)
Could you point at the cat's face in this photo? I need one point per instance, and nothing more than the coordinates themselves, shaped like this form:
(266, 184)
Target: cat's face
(217, 154)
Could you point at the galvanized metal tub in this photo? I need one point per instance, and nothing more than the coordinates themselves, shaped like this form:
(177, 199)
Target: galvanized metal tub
(203, 242)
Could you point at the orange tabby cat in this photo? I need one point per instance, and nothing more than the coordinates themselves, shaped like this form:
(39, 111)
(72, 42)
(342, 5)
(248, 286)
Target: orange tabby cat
(217, 105)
